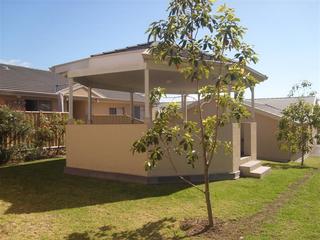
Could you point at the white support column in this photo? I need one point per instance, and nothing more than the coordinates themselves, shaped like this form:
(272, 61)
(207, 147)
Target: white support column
(147, 118)
(61, 102)
(132, 107)
(89, 105)
(70, 81)
(253, 117)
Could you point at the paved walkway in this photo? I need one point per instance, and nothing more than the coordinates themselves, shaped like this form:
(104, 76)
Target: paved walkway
(316, 151)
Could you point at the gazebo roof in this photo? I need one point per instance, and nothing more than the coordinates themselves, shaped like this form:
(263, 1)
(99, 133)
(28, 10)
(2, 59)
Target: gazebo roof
(124, 69)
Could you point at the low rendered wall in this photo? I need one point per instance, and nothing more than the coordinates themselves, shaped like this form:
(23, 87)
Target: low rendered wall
(104, 148)
(225, 165)
(104, 151)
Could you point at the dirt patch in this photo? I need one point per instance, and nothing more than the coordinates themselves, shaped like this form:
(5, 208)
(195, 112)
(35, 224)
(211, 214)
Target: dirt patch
(237, 229)
(195, 227)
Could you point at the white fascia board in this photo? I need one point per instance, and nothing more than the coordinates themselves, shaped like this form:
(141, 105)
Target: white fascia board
(54, 67)
(111, 63)
(77, 86)
(92, 72)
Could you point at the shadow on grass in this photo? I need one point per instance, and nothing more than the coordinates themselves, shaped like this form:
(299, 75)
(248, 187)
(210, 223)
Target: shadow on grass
(42, 186)
(101, 233)
(151, 230)
(284, 166)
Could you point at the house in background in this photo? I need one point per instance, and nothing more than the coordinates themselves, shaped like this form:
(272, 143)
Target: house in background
(107, 106)
(268, 112)
(28, 89)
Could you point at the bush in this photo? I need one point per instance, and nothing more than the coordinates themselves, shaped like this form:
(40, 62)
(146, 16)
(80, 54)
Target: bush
(48, 130)
(58, 127)
(43, 133)
(5, 155)
(13, 125)
(33, 139)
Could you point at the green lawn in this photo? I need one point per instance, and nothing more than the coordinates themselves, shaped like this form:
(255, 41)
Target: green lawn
(300, 218)
(37, 201)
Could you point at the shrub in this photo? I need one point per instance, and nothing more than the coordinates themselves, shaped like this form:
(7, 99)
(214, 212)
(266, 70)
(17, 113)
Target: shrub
(49, 129)
(13, 126)
(58, 127)
(43, 132)
(22, 139)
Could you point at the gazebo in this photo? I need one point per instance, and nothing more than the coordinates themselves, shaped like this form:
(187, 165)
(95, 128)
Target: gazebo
(103, 150)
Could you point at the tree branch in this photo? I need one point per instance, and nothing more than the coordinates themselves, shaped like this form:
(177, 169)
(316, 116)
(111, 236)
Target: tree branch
(176, 170)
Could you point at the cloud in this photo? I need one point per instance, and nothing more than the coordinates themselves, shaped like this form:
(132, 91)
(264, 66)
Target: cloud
(16, 62)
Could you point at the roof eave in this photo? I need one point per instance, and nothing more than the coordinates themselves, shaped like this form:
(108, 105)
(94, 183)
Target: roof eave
(13, 91)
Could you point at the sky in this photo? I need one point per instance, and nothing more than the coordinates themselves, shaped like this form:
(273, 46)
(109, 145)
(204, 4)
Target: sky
(43, 33)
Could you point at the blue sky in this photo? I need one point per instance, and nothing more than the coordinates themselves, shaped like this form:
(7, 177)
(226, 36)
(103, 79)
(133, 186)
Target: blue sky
(42, 33)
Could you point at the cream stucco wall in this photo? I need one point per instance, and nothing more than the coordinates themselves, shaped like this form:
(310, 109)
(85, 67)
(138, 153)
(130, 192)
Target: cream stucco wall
(80, 109)
(105, 148)
(267, 144)
(222, 163)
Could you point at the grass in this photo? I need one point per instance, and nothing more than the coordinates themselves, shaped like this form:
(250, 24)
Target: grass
(37, 201)
(300, 218)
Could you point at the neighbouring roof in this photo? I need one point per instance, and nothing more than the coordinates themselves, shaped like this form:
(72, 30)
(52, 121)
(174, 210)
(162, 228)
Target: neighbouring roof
(275, 106)
(25, 79)
(30, 80)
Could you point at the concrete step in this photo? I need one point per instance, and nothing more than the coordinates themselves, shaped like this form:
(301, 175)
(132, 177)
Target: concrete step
(247, 167)
(245, 159)
(260, 172)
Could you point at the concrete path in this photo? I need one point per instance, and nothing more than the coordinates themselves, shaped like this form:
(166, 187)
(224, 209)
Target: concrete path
(316, 151)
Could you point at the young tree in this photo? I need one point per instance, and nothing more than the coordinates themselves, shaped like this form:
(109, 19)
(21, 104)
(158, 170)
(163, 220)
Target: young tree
(302, 89)
(202, 46)
(298, 122)
(296, 127)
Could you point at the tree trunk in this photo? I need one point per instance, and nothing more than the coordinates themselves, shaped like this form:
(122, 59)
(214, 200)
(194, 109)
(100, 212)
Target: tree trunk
(302, 159)
(207, 195)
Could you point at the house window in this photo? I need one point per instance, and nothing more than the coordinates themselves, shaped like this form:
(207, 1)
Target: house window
(44, 106)
(31, 105)
(116, 111)
(120, 111)
(113, 111)
(38, 105)
(136, 112)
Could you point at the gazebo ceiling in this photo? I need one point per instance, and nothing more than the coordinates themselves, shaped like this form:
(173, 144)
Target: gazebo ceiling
(173, 82)
(133, 81)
